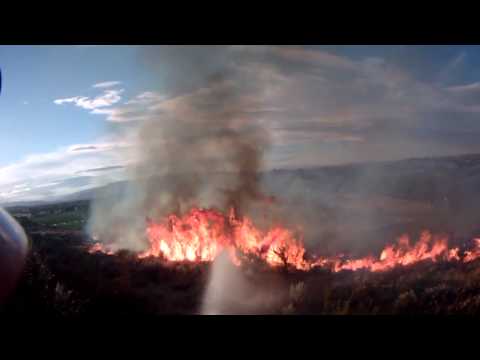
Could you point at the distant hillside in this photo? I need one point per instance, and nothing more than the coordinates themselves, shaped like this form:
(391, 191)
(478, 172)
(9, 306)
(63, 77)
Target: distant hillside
(423, 179)
(381, 200)
(367, 202)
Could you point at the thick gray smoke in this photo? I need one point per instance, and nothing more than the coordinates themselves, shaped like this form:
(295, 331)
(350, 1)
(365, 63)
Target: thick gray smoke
(185, 160)
(199, 147)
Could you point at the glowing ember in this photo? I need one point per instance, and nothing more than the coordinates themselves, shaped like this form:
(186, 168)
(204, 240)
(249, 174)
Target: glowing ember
(97, 247)
(474, 253)
(202, 234)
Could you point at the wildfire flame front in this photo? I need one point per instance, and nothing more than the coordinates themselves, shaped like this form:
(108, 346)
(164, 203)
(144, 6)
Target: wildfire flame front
(201, 235)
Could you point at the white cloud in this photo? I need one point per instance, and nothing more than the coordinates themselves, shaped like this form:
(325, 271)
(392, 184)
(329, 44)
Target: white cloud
(299, 55)
(465, 88)
(141, 107)
(107, 84)
(108, 98)
(457, 61)
(147, 97)
(448, 72)
(56, 173)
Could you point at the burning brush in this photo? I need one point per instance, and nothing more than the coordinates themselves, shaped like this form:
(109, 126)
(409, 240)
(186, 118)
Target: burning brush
(201, 235)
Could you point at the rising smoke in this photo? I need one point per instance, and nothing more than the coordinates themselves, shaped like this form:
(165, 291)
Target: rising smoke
(201, 149)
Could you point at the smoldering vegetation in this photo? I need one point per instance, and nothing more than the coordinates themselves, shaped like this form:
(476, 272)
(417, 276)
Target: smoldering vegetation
(123, 286)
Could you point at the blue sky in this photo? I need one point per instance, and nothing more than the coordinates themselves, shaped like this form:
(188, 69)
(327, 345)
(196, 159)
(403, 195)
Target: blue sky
(68, 111)
(33, 76)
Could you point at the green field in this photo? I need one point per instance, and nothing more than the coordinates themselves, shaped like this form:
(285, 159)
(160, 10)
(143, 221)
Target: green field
(65, 216)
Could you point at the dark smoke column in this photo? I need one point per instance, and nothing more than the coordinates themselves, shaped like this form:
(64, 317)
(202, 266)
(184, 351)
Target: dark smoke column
(13, 249)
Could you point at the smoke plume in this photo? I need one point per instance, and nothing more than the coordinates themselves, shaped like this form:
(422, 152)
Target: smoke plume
(199, 146)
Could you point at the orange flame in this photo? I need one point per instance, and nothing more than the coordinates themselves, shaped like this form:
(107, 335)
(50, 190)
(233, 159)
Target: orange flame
(202, 234)
(97, 247)
(474, 253)
(427, 248)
